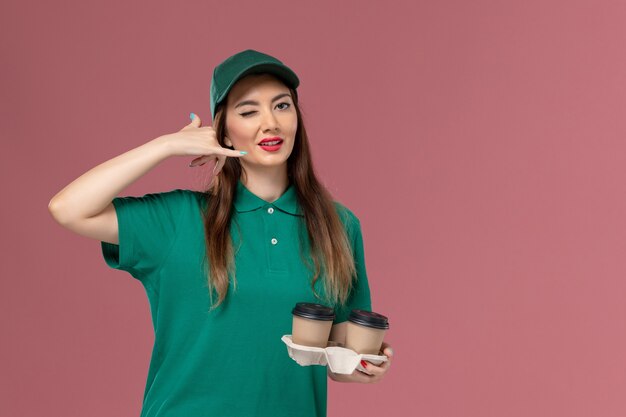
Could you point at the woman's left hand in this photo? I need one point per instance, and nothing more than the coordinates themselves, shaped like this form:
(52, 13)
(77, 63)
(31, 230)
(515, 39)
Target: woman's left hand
(378, 372)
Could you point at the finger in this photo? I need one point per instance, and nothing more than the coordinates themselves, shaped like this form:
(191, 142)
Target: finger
(386, 350)
(229, 152)
(195, 120)
(374, 370)
(219, 163)
(385, 365)
(201, 160)
(362, 377)
(217, 153)
(198, 161)
(205, 160)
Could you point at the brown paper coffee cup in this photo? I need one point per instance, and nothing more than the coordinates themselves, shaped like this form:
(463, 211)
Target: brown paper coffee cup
(312, 324)
(365, 331)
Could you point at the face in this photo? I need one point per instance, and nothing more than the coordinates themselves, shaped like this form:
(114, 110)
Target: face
(259, 107)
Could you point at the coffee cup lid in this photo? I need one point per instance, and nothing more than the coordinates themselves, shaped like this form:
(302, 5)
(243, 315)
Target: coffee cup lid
(369, 319)
(313, 311)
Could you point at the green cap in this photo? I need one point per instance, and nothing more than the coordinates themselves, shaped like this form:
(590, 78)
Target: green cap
(226, 74)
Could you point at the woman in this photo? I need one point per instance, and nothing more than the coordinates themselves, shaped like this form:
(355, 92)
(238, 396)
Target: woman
(224, 267)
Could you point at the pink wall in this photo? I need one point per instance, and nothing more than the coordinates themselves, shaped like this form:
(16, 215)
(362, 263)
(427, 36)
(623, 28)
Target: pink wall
(481, 144)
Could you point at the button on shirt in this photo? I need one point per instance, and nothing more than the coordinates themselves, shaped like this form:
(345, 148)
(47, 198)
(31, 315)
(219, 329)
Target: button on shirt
(230, 361)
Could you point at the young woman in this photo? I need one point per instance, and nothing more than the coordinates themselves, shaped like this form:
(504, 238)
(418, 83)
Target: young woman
(223, 268)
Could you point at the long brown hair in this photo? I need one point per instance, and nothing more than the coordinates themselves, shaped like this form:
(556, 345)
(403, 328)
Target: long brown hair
(329, 245)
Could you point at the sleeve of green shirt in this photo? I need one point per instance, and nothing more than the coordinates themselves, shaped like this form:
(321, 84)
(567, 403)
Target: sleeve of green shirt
(146, 229)
(359, 297)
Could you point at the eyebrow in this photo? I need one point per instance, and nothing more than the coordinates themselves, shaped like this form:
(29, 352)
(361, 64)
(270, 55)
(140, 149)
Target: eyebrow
(256, 102)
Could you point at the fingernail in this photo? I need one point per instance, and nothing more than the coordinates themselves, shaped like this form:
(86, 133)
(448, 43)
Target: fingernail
(243, 152)
(390, 351)
(191, 116)
(364, 364)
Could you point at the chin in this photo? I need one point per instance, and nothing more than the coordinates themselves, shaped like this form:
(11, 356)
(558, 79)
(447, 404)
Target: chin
(276, 158)
(274, 163)
(269, 161)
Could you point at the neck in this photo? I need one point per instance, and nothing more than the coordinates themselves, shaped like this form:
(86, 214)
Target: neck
(268, 183)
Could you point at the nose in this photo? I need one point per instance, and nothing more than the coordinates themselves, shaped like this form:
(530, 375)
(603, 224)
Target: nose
(269, 121)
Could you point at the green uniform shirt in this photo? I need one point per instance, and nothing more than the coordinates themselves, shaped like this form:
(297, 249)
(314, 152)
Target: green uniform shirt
(230, 362)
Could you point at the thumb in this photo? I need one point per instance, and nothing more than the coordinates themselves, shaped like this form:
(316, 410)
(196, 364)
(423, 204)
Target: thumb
(195, 120)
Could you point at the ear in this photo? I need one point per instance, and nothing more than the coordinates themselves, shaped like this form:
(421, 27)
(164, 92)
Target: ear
(227, 141)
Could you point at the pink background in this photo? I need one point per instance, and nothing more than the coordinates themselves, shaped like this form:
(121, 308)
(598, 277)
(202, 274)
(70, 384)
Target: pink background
(480, 143)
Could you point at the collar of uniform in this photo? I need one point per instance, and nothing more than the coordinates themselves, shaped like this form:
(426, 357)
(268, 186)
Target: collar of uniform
(245, 200)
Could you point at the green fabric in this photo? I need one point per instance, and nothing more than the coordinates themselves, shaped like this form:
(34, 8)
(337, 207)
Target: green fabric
(230, 362)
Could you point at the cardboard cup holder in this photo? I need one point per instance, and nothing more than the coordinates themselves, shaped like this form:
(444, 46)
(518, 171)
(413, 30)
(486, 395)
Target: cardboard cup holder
(339, 359)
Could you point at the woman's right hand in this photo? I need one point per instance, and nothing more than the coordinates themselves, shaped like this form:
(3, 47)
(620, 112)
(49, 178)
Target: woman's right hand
(195, 140)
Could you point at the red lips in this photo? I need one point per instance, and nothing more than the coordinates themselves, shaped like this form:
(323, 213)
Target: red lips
(275, 138)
